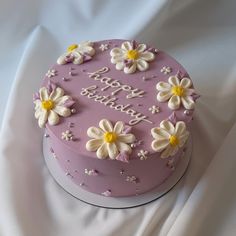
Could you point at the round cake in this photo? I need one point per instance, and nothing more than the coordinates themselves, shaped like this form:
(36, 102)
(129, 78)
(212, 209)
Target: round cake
(117, 115)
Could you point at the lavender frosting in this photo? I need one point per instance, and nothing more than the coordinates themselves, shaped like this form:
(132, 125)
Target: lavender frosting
(78, 81)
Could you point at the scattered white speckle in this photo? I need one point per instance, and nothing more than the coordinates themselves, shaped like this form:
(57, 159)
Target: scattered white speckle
(71, 125)
(107, 193)
(51, 73)
(68, 174)
(67, 135)
(73, 110)
(154, 109)
(91, 172)
(142, 154)
(136, 144)
(104, 47)
(170, 164)
(72, 73)
(132, 179)
(166, 70)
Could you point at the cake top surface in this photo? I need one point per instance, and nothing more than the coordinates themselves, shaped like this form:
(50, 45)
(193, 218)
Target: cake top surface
(116, 96)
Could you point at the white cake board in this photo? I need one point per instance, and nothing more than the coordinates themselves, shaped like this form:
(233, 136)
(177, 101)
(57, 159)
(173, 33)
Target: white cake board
(118, 202)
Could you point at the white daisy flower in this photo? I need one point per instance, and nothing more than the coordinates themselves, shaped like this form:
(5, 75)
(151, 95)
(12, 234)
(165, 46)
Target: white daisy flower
(176, 91)
(109, 141)
(169, 138)
(50, 104)
(131, 57)
(77, 53)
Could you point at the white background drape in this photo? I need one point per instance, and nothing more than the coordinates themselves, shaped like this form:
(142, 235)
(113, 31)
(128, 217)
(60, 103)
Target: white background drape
(200, 34)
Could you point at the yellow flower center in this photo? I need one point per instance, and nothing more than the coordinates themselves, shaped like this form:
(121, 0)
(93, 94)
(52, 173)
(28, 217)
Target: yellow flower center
(174, 141)
(178, 90)
(48, 105)
(132, 54)
(110, 137)
(72, 47)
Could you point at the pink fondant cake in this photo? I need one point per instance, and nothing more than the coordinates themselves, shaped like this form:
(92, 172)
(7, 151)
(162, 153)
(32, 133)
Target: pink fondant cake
(117, 115)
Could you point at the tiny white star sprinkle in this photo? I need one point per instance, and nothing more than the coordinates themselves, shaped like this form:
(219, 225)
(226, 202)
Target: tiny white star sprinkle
(51, 73)
(142, 154)
(154, 109)
(166, 70)
(104, 47)
(132, 179)
(67, 135)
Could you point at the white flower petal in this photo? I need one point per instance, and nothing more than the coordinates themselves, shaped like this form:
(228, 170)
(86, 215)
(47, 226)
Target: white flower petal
(116, 52)
(53, 118)
(147, 56)
(174, 102)
(131, 69)
(183, 138)
(120, 65)
(185, 83)
(86, 49)
(126, 46)
(163, 86)
(38, 104)
(188, 91)
(93, 144)
(102, 151)
(119, 126)
(168, 126)
(62, 59)
(60, 101)
(112, 150)
(180, 127)
(86, 43)
(116, 59)
(174, 80)
(126, 138)
(174, 150)
(78, 60)
(160, 144)
(106, 125)
(167, 152)
(43, 118)
(37, 113)
(94, 132)
(163, 96)
(123, 147)
(142, 65)
(62, 111)
(56, 93)
(188, 102)
(43, 93)
(159, 133)
(141, 47)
